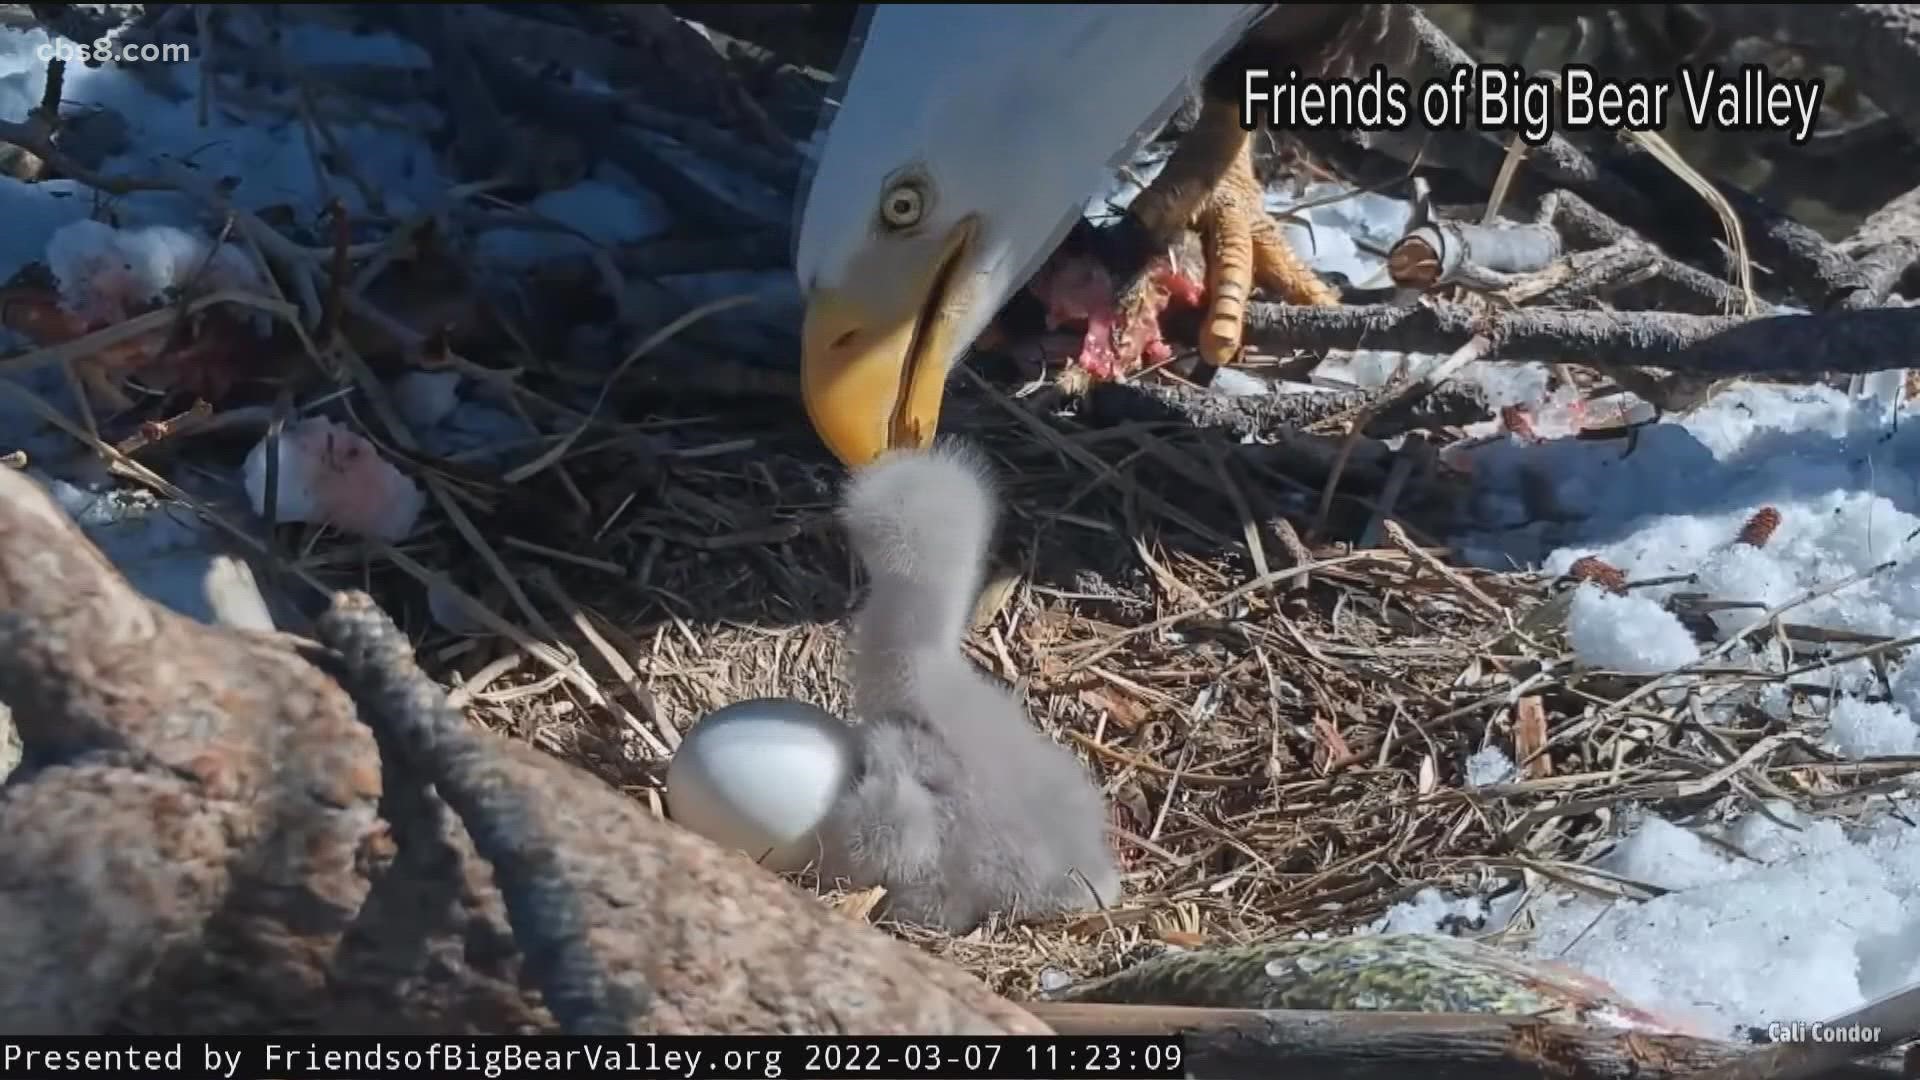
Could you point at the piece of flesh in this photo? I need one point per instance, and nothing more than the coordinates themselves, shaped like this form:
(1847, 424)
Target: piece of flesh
(1077, 291)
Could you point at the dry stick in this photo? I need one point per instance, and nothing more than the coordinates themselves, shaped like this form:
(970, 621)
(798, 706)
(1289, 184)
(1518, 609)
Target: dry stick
(1271, 416)
(1781, 346)
(482, 142)
(1249, 528)
(1800, 257)
(1557, 160)
(82, 347)
(126, 466)
(631, 150)
(1093, 464)
(305, 269)
(1678, 169)
(547, 655)
(1765, 621)
(629, 679)
(203, 27)
(1322, 511)
(1878, 44)
(1395, 399)
(1886, 1023)
(693, 126)
(1886, 246)
(1503, 182)
(303, 265)
(652, 341)
(1695, 291)
(33, 137)
(1587, 274)
(1447, 252)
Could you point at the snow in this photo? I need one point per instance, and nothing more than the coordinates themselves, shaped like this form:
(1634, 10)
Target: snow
(1860, 729)
(1630, 634)
(425, 398)
(1327, 223)
(165, 553)
(1771, 922)
(1431, 910)
(1489, 766)
(1757, 922)
(1812, 923)
(1744, 922)
(107, 274)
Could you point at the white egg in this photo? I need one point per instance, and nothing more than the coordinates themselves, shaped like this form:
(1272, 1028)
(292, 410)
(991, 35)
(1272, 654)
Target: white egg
(760, 776)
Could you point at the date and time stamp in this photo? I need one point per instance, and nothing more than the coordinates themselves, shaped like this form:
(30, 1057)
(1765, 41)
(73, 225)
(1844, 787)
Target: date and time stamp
(1141, 1057)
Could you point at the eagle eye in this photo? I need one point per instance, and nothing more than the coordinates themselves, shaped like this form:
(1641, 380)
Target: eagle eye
(904, 204)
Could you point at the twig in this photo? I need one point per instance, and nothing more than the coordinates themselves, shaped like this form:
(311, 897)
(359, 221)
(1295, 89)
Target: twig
(32, 137)
(203, 27)
(1886, 246)
(1382, 513)
(648, 344)
(1676, 168)
(1557, 160)
(1698, 292)
(1275, 414)
(1585, 274)
(1878, 44)
(642, 154)
(481, 138)
(1781, 346)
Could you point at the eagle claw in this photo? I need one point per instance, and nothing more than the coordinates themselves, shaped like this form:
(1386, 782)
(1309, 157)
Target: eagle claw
(1209, 185)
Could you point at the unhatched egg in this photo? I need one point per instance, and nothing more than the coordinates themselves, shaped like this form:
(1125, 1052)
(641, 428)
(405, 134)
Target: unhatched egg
(760, 776)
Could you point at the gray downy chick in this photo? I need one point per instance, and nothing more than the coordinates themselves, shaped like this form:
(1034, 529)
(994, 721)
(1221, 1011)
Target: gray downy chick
(961, 807)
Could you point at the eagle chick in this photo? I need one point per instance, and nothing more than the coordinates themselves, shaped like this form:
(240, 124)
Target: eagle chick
(960, 807)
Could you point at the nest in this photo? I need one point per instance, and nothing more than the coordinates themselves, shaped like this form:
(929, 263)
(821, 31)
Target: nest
(1276, 670)
(1285, 742)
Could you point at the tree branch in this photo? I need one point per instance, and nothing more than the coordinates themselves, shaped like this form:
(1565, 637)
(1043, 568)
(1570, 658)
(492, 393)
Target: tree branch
(1780, 346)
(1234, 1043)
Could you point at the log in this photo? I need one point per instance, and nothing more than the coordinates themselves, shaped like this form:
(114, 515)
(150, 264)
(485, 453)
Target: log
(1779, 346)
(1233, 1044)
(209, 835)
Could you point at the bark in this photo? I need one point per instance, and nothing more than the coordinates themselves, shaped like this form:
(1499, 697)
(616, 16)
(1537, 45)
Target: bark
(211, 836)
(1878, 44)
(1778, 346)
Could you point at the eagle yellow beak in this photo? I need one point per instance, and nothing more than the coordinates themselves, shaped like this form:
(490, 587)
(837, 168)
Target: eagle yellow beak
(873, 373)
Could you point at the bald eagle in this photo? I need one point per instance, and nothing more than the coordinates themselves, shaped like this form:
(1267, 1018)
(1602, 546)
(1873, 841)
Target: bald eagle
(967, 139)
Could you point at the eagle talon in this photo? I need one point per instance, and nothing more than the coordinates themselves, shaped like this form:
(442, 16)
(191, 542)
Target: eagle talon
(1243, 247)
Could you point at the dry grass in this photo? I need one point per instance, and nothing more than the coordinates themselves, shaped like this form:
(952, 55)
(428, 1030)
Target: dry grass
(1285, 751)
(1281, 721)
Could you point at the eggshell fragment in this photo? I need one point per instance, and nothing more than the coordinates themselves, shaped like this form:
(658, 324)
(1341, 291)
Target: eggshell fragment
(329, 474)
(761, 776)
